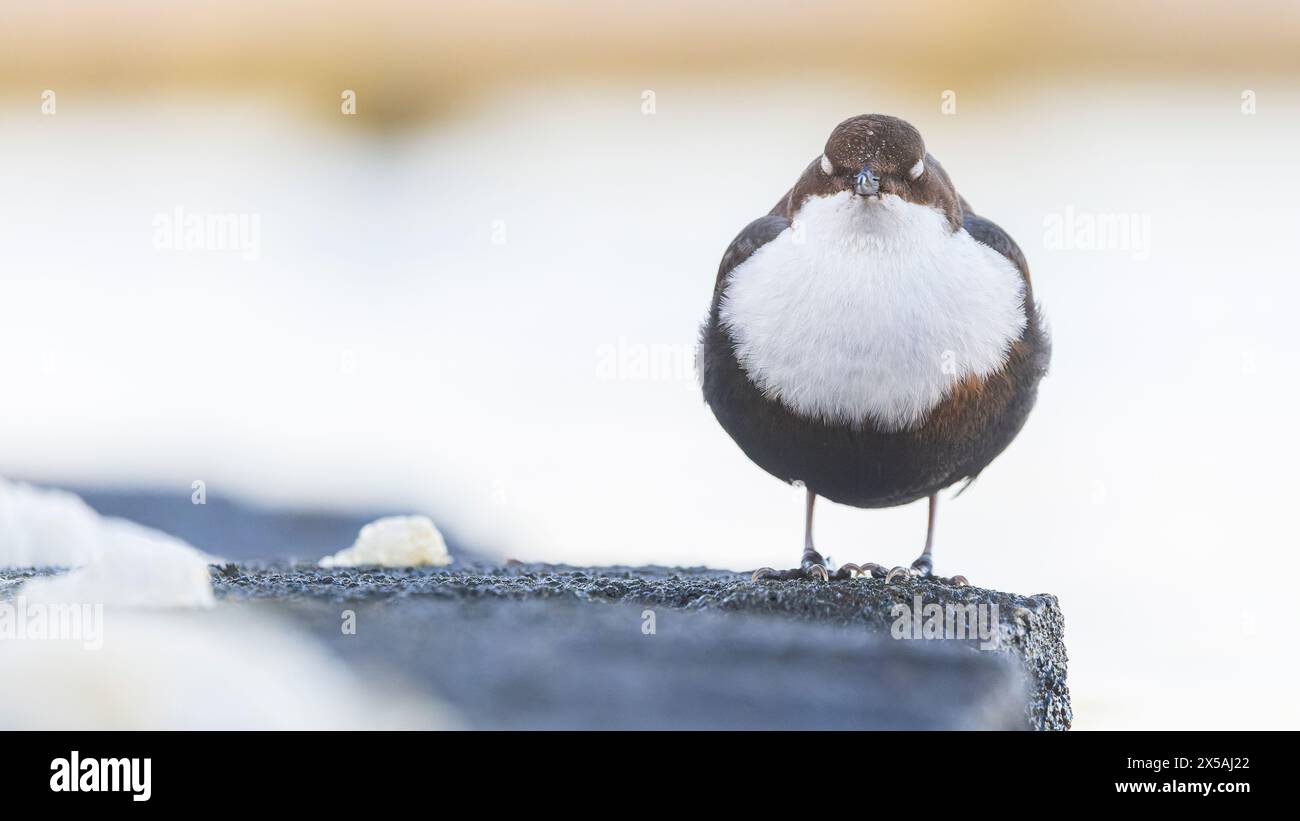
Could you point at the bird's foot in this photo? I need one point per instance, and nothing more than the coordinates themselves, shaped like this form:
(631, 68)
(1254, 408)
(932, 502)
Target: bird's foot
(875, 571)
(921, 568)
(812, 567)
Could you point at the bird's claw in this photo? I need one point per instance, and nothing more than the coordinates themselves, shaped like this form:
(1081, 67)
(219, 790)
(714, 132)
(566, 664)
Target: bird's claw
(903, 572)
(847, 571)
(850, 570)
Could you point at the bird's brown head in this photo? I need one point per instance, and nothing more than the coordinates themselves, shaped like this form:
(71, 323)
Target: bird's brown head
(876, 155)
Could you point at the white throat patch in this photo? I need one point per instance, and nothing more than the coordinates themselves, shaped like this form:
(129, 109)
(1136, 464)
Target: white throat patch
(871, 310)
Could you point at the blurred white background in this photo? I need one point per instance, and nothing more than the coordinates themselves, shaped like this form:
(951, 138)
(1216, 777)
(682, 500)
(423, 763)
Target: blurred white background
(450, 313)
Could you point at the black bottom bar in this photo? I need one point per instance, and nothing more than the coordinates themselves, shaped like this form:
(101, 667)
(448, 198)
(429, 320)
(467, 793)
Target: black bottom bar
(329, 771)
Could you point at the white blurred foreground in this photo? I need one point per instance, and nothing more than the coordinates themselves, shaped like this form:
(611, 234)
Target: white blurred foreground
(131, 639)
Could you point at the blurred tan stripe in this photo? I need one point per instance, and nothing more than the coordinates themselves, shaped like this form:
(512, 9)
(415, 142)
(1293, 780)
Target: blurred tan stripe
(440, 51)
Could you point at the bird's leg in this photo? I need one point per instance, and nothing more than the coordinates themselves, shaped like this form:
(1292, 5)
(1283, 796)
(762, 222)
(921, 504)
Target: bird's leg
(924, 565)
(812, 561)
(812, 565)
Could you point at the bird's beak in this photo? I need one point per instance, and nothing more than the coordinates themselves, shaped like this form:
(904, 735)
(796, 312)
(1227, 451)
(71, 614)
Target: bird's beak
(867, 184)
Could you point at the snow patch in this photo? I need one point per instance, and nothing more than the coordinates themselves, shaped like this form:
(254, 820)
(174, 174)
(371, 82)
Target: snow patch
(117, 562)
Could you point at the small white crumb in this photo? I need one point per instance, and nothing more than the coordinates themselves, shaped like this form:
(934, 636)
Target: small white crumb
(394, 541)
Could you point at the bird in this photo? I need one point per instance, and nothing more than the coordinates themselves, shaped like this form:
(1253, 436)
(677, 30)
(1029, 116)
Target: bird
(872, 338)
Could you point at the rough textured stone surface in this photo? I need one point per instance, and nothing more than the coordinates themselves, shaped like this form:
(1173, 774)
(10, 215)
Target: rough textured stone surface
(505, 644)
(553, 646)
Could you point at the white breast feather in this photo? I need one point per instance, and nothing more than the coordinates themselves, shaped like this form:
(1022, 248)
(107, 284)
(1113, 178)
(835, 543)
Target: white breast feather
(871, 311)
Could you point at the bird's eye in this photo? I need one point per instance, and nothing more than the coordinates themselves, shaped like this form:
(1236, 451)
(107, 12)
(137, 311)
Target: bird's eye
(827, 168)
(917, 170)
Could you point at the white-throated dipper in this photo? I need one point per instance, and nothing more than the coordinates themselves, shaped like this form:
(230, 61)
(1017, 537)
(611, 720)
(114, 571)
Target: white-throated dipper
(872, 338)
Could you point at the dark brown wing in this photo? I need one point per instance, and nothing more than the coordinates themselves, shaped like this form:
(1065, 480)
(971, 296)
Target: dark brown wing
(715, 353)
(989, 233)
(1030, 354)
